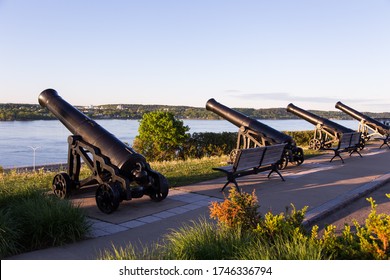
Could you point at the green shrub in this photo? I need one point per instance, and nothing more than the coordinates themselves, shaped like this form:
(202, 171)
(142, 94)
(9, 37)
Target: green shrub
(161, 136)
(301, 138)
(206, 144)
(370, 241)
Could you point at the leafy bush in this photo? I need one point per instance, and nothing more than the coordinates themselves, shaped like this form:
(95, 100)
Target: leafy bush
(375, 235)
(301, 138)
(370, 241)
(161, 136)
(239, 211)
(206, 144)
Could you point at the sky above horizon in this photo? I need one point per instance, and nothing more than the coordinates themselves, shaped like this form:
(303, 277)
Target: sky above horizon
(243, 53)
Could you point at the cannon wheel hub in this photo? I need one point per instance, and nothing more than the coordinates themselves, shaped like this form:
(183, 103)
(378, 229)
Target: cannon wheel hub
(62, 185)
(108, 197)
(315, 144)
(159, 191)
(299, 157)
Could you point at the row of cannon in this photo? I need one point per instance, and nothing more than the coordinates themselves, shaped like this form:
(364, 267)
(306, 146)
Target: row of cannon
(253, 133)
(120, 173)
(327, 132)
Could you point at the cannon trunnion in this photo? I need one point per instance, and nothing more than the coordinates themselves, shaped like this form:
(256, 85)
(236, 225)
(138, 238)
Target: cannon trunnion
(326, 132)
(253, 133)
(118, 171)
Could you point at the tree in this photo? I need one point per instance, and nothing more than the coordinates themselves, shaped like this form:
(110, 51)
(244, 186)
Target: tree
(161, 136)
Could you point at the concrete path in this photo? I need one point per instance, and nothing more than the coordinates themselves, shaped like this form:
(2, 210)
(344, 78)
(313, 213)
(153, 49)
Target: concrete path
(323, 186)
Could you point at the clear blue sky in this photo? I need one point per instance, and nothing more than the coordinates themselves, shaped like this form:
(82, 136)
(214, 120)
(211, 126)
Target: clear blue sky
(243, 53)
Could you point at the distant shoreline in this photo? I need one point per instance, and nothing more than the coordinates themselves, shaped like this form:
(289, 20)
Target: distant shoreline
(34, 112)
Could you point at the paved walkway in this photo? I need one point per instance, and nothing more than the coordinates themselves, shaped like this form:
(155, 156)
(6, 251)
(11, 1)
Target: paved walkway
(323, 186)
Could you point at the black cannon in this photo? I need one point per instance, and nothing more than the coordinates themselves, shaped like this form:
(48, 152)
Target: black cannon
(368, 126)
(117, 170)
(326, 132)
(253, 133)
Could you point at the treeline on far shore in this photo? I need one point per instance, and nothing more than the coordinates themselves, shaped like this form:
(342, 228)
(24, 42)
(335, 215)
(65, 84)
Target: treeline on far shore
(26, 112)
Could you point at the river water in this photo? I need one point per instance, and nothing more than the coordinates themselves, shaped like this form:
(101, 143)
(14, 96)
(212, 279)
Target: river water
(25, 143)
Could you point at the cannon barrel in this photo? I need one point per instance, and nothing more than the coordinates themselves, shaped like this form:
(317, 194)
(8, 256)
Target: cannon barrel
(372, 123)
(77, 123)
(327, 125)
(240, 120)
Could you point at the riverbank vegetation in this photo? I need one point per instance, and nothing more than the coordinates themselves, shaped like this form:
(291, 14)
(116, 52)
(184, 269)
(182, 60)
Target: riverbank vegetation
(24, 112)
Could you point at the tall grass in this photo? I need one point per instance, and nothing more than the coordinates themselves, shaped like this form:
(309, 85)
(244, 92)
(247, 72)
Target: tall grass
(203, 240)
(275, 237)
(31, 218)
(46, 221)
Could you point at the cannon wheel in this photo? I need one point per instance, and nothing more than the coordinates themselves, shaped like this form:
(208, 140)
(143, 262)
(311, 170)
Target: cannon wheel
(315, 144)
(283, 161)
(162, 184)
(362, 143)
(233, 155)
(108, 197)
(62, 185)
(299, 157)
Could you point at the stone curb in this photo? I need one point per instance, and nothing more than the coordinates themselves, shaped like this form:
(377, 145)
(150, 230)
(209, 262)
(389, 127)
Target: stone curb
(324, 210)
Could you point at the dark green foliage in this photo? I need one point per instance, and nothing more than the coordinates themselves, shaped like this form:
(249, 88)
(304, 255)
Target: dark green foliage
(39, 221)
(32, 219)
(9, 234)
(161, 136)
(301, 138)
(47, 221)
(10, 112)
(206, 144)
